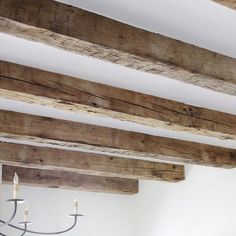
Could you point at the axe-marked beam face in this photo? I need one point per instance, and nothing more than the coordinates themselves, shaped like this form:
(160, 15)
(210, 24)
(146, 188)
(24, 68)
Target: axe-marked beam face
(69, 180)
(18, 127)
(87, 33)
(30, 85)
(88, 163)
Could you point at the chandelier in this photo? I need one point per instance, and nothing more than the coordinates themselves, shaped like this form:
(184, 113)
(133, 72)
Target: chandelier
(23, 228)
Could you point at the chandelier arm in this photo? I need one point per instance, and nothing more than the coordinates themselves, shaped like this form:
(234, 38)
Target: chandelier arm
(3, 234)
(20, 235)
(12, 217)
(24, 230)
(44, 233)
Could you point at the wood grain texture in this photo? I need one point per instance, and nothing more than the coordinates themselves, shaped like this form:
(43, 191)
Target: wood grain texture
(227, 3)
(89, 34)
(88, 163)
(69, 180)
(90, 138)
(32, 85)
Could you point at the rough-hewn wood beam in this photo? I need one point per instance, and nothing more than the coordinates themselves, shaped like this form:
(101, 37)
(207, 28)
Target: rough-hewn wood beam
(66, 134)
(87, 163)
(31, 85)
(89, 34)
(227, 3)
(69, 180)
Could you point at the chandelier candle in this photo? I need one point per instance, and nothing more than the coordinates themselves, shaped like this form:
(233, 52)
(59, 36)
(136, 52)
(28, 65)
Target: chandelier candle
(16, 186)
(76, 207)
(26, 215)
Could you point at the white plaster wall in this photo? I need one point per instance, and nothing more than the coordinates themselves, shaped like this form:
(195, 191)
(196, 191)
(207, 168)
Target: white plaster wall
(202, 205)
(105, 214)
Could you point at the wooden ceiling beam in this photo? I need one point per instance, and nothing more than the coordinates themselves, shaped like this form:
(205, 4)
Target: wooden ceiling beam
(69, 180)
(88, 163)
(90, 34)
(30, 85)
(227, 3)
(18, 127)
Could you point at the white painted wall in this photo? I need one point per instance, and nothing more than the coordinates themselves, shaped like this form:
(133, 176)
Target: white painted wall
(105, 214)
(202, 205)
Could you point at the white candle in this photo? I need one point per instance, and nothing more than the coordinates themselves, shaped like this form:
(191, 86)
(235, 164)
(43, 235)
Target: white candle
(16, 186)
(26, 215)
(76, 206)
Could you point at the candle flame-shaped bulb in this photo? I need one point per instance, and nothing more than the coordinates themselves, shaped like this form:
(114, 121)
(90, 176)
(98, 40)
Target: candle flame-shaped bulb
(16, 179)
(16, 185)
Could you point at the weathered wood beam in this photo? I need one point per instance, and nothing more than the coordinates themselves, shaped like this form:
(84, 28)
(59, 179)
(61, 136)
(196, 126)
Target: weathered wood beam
(227, 3)
(89, 34)
(87, 163)
(69, 180)
(90, 138)
(31, 85)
